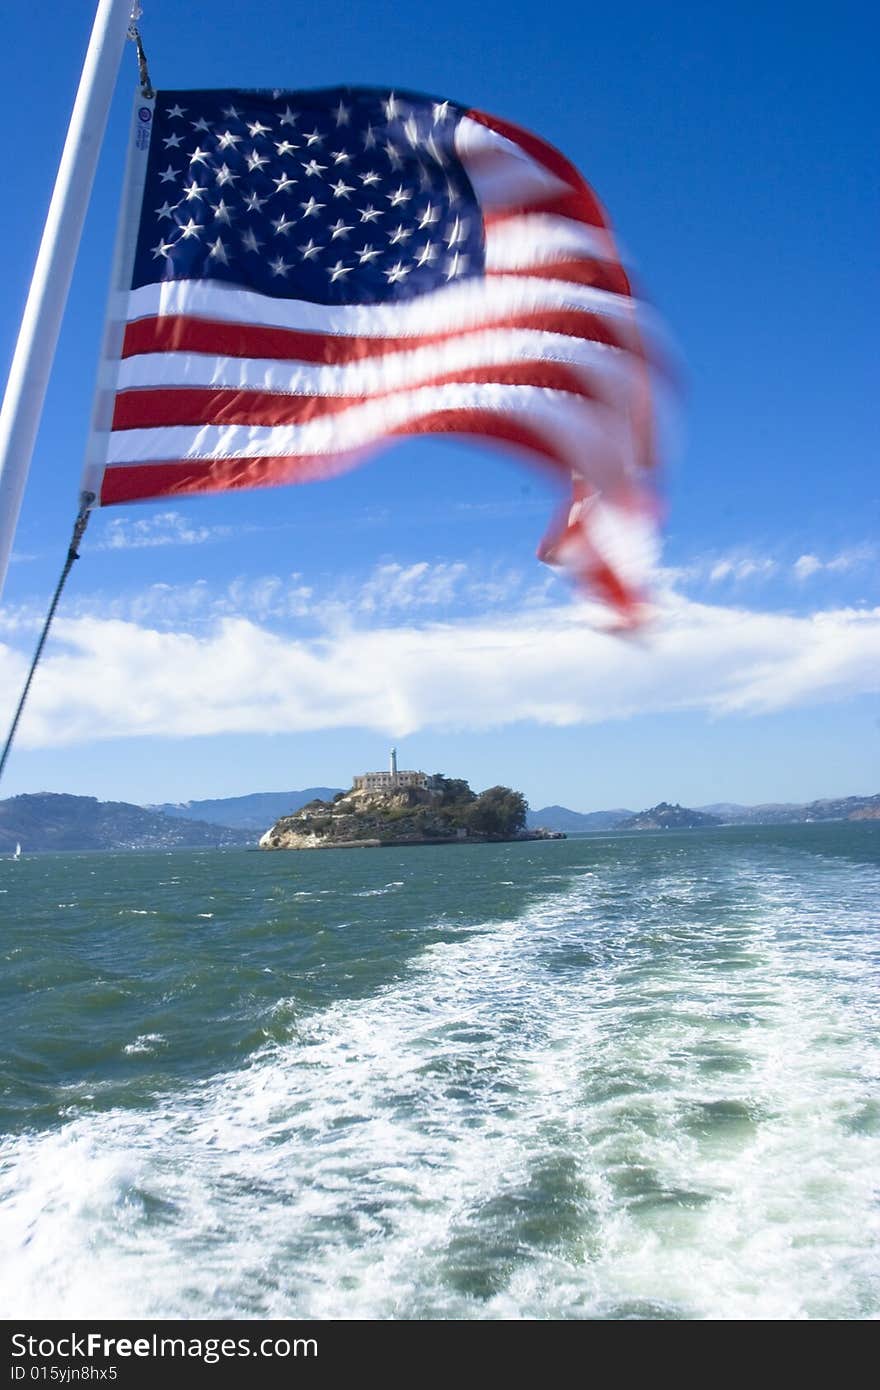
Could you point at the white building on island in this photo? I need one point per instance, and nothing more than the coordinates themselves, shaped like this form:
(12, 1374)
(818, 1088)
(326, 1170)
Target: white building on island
(390, 781)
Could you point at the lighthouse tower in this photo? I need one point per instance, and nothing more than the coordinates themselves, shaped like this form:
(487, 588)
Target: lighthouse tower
(393, 767)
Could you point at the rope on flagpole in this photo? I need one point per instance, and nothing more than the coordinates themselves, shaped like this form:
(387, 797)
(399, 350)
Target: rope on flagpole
(134, 33)
(79, 526)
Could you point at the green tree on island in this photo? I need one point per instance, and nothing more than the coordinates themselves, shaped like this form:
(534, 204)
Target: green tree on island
(454, 791)
(497, 811)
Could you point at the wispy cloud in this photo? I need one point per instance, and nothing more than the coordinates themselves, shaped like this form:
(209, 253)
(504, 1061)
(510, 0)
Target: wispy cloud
(743, 567)
(731, 567)
(390, 592)
(161, 528)
(109, 678)
(808, 565)
(740, 568)
(411, 587)
(447, 587)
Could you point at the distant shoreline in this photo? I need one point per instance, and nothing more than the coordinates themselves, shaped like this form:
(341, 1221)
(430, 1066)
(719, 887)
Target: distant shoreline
(252, 848)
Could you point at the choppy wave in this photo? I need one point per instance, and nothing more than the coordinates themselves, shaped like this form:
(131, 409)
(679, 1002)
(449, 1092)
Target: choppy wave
(646, 1096)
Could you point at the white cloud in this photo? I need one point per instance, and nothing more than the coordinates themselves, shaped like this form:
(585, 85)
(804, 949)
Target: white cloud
(808, 565)
(408, 587)
(732, 567)
(161, 528)
(740, 568)
(107, 678)
(394, 588)
(390, 591)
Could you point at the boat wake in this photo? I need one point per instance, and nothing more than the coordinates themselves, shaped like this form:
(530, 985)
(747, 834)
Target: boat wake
(638, 1099)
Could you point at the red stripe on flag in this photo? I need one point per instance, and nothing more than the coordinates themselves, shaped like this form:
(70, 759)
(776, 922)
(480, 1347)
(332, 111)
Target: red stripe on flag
(178, 478)
(220, 338)
(601, 275)
(149, 408)
(590, 209)
(138, 482)
(566, 203)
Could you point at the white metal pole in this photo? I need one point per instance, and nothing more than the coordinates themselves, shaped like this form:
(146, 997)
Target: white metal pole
(41, 322)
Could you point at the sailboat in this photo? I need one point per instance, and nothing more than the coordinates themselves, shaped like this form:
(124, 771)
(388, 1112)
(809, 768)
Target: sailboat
(17, 854)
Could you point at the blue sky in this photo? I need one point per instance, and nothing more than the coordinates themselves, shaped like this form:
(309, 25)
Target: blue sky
(286, 637)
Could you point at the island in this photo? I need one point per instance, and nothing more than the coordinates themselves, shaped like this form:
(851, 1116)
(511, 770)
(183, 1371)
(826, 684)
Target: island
(666, 817)
(397, 808)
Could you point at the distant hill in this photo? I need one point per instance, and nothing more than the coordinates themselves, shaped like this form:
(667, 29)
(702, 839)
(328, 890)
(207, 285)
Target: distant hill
(785, 813)
(54, 820)
(561, 818)
(666, 817)
(257, 811)
(846, 808)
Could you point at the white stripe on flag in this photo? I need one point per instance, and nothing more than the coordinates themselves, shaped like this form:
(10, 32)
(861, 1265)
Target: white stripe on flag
(501, 173)
(372, 375)
(538, 238)
(564, 419)
(455, 306)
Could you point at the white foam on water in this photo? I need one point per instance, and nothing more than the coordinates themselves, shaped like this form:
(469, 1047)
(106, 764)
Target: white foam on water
(147, 1043)
(378, 892)
(565, 1115)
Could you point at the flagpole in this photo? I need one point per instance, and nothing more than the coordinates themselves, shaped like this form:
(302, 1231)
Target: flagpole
(41, 321)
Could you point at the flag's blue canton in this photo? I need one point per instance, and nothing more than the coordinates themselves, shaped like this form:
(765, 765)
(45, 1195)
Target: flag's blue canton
(340, 196)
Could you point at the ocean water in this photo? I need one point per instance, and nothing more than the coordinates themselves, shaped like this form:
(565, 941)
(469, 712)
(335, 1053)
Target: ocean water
(618, 1077)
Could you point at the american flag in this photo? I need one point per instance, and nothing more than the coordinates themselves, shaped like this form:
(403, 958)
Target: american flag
(302, 276)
